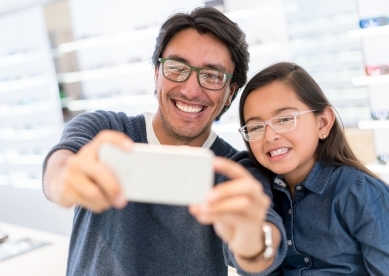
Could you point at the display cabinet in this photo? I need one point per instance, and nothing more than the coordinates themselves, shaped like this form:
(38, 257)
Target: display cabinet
(31, 121)
(320, 44)
(374, 36)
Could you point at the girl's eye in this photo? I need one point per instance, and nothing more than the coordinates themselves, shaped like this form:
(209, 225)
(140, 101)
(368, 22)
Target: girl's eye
(255, 128)
(284, 119)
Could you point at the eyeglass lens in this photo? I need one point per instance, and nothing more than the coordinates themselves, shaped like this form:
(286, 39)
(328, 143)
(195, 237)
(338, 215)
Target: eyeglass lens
(279, 124)
(207, 78)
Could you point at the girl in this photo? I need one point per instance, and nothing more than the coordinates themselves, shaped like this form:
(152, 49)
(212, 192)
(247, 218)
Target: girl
(335, 211)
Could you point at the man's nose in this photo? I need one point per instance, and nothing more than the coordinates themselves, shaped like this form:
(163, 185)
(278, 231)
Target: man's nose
(191, 87)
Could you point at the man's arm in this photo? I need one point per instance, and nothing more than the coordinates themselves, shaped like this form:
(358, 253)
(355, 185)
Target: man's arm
(258, 261)
(238, 209)
(81, 179)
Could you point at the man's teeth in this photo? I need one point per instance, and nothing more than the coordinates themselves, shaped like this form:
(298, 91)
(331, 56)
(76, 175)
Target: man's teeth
(189, 109)
(278, 152)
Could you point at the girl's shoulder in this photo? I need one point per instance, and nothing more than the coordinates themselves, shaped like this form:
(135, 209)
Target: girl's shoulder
(358, 182)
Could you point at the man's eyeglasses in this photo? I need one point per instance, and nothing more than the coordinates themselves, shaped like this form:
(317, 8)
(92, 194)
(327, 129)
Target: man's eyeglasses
(280, 124)
(179, 72)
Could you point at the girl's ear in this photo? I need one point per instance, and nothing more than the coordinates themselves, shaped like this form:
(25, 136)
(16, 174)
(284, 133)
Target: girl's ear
(326, 121)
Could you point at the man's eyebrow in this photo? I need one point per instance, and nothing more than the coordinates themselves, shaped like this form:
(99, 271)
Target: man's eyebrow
(218, 67)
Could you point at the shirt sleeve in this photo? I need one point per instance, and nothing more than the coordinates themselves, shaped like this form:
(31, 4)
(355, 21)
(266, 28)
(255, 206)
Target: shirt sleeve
(366, 213)
(271, 217)
(83, 128)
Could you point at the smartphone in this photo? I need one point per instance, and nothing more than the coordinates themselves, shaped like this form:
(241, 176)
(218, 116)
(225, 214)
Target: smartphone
(162, 174)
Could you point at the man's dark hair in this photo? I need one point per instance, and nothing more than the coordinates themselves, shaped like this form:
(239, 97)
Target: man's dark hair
(209, 20)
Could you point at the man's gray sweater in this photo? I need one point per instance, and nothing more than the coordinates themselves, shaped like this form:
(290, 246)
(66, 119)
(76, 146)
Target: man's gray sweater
(146, 239)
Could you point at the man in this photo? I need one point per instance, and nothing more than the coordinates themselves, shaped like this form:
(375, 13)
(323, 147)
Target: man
(201, 60)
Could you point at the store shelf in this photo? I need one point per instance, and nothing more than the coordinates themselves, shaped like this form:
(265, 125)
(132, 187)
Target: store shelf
(374, 124)
(28, 109)
(368, 80)
(7, 86)
(122, 69)
(106, 103)
(326, 59)
(21, 58)
(29, 134)
(151, 32)
(359, 33)
(325, 24)
(378, 168)
(105, 40)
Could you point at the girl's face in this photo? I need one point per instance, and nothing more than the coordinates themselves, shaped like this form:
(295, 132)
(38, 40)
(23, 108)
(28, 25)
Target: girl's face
(292, 153)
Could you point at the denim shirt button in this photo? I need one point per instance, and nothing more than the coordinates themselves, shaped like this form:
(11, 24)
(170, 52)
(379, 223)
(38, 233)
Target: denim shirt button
(289, 242)
(290, 211)
(298, 188)
(306, 259)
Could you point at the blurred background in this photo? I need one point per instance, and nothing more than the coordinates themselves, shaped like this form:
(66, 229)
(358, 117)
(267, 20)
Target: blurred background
(62, 58)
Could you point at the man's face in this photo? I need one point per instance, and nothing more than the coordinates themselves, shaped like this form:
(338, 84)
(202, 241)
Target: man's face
(187, 110)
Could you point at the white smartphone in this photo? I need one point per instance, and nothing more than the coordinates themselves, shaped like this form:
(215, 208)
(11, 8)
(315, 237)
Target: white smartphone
(162, 174)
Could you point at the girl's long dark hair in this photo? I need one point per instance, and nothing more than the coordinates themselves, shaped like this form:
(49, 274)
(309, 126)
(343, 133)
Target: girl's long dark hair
(334, 150)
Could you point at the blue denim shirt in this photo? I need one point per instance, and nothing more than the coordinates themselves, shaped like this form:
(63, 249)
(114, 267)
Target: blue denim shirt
(337, 224)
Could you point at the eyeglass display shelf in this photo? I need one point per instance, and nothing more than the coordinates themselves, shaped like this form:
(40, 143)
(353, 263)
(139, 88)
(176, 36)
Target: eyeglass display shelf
(21, 182)
(22, 57)
(325, 23)
(104, 103)
(146, 33)
(368, 80)
(373, 124)
(28, 109)
(121, 69)
(137, 67)
(24, 83)
(330, 58)
(373, 31)
(378, 168)
(340, 41)
(29, 134)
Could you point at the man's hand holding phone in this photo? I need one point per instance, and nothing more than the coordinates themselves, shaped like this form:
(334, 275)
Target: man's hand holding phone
(83, 179)
(237, 209)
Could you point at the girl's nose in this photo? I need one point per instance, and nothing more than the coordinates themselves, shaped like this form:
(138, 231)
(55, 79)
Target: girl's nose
(270, 134)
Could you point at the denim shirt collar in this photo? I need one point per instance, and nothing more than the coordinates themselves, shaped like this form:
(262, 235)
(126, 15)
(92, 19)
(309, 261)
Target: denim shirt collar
(316, 181)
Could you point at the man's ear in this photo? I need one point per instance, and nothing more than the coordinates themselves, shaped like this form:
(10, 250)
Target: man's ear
(156, 73)
(233, 87)
(326, 121)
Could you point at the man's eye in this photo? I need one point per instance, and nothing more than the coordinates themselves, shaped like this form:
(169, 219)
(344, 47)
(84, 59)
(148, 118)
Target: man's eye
(176, 68)
(211, 76)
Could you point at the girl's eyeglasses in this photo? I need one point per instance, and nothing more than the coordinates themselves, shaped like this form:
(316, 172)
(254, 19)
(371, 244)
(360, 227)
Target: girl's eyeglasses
(280, 124)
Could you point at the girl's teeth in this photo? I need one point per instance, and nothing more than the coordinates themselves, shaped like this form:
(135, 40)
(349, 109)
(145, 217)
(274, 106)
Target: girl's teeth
(278, 152)
(189, 109)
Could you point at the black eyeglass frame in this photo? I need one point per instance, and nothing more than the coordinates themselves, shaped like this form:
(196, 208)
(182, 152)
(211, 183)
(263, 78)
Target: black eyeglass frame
(197, 69)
